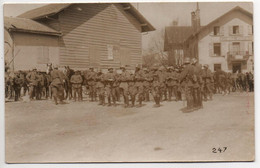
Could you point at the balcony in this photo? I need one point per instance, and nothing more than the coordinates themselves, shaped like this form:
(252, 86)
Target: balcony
(238, 56)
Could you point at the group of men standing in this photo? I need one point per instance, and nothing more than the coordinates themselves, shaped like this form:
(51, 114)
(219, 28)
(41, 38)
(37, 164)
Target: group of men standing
(192, 83)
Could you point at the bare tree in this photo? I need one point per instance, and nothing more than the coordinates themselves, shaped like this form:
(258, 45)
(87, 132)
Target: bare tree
(156, 54)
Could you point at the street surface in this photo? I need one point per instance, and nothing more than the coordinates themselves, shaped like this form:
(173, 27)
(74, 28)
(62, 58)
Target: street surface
(40, 131)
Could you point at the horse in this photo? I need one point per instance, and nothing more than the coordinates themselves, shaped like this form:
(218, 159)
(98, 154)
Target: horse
(68, 86)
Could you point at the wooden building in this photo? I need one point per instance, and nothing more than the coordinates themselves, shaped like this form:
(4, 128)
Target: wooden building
(93, 34)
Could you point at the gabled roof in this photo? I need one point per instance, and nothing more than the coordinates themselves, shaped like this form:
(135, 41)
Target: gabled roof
(27, 25)
(53, 9)
(44, 11)
(237, 8)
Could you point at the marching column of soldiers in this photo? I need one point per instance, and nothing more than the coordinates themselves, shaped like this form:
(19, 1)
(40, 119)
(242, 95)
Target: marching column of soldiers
(190, 82)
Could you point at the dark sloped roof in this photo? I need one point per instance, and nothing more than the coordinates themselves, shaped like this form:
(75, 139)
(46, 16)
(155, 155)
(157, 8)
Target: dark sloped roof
(53, 9)
(27, 25)
(43, 11)
(177, 34)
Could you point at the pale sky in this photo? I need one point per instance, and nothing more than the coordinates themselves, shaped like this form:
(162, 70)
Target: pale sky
(160, 14)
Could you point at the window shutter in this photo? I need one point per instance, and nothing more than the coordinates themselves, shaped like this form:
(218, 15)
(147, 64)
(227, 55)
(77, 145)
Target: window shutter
(222, 30)
(222, 49)
(242, 46)
(241, 29)
(211, 49)
(250, 49)
(230, 30)
(250, 31)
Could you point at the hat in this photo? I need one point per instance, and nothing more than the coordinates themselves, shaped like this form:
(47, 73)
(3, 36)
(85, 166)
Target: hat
(187, 60)
(206, 65)
(34, 68)
(194, 60)
(161, 68)
(138, 66)
(145, 69)
(91, 67)
(122, 67)
(110, 68)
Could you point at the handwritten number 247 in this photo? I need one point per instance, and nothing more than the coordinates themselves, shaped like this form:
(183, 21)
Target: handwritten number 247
(219, 150)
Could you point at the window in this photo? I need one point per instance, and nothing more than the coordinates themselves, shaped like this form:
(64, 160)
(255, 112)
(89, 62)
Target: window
(217, 67)
(216, 31)
(235, 29)
(236, 47)
(110, 54)
(217, 49)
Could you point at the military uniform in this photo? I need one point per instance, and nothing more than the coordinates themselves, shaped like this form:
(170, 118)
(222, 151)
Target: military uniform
(156, 90)
(132, 89)
(172, 83)
(18, 83)
(197, 86)
(39, 88)
(208, 81)
(32, 78)
(148, 78)
(162, 79)
(100, 88)
(109, 80)
(76, 81)
(139, 79)
(57, 78)
(187, 75)
(124, 78)
(90, 78)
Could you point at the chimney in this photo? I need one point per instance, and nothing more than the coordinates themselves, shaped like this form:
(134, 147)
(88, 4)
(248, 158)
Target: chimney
(195, 19)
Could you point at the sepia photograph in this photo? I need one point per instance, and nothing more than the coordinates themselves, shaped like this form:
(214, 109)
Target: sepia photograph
(129, 82)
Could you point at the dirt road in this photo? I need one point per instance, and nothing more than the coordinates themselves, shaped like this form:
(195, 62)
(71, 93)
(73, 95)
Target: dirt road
(40, 131)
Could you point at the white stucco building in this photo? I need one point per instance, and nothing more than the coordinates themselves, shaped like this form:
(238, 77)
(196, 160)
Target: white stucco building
(226, 42)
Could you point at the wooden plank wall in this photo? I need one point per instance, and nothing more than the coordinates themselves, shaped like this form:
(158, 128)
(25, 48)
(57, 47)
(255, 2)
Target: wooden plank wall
(87, 25)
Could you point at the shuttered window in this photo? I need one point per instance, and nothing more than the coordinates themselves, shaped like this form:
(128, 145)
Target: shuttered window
(43, 55)
(217, 49)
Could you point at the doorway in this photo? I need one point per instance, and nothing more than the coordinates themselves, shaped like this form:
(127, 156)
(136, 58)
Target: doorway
(236, 67)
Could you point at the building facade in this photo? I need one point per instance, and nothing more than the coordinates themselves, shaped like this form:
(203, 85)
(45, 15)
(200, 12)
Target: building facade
(226, 43)
(101, 35)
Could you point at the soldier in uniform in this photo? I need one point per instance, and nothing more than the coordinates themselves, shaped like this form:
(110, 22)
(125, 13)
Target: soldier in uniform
(132, 89)
(162, 79)
(208, 81)
(187, 75)
(32, 78)
(124, 79)
(116, 85)
(90, 77)
(139, 79)
(18, 83)
(57, 85)
(39, 88)
(169, 82)
(148, 78)
(109, 80)
(197, 84)
(100, 87)
(76, 81)
(156, 88)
